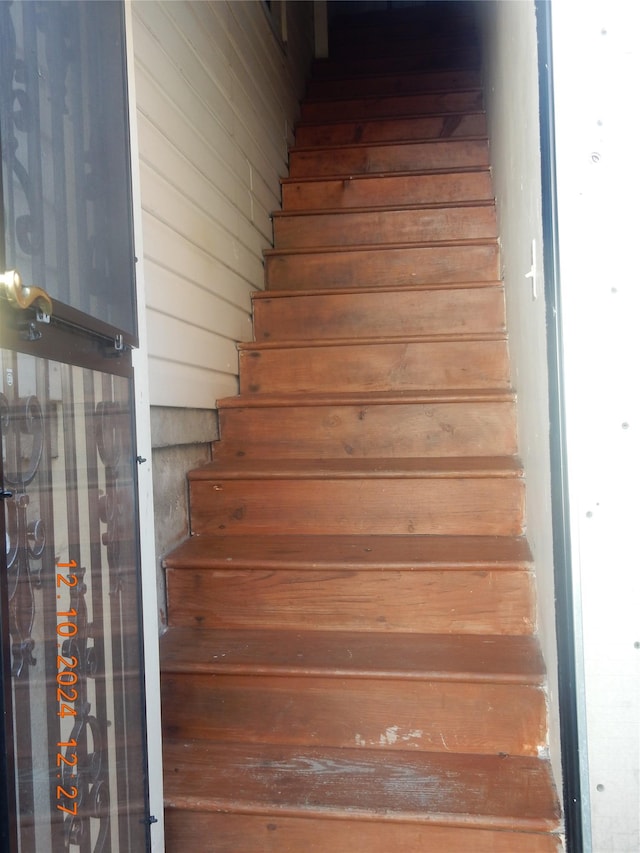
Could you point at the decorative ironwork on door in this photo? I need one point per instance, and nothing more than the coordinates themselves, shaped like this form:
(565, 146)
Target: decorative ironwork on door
(71, 667)
(65, 160)
(73, 605)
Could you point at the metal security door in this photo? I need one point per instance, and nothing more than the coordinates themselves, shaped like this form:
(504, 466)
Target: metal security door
(74, 763)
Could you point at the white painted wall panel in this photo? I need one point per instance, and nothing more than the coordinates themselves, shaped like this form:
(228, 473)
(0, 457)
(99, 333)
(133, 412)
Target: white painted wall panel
(596, 60)
(511, 93)
(217, 98)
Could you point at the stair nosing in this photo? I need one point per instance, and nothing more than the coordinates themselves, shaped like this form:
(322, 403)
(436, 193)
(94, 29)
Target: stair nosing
(307, 123)
(371, 468)
(466, 204)
(258, 295)
(383, 340)
(218, 639)
(358, 552)
(383, 247)
(365, 398)
(363, 176)
(387, 144)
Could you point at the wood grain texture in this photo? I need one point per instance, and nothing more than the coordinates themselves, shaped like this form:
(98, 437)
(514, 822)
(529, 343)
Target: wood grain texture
(390, 130)
(391, 505)
(487, 659)
(464, 221)
(455, 790)
(383, 266)
(362, 313)
(383, 190)
(373, 714)
(215, 832)
(408, 365)
(391, 156)
(375, 552)
(430, 686)
(370, 430)
(397, 601)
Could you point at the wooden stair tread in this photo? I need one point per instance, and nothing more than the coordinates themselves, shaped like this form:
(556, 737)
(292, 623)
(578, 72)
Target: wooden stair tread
(505, 659)
(419, 467)
(365, 398)
(367, 552)
(459, 790)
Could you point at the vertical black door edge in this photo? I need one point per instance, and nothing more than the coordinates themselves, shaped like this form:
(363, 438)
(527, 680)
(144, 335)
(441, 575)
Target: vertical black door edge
(565, 625)
(8, 837)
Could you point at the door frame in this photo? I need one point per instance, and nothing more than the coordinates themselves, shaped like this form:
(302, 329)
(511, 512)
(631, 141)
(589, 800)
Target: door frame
(568, 690)
(146, 541)
(142, 406)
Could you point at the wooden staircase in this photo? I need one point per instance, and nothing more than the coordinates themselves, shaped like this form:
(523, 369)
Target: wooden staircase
(351, 663)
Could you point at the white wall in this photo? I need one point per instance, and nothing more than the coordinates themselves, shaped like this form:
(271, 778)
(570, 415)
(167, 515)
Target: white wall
(512, 102)
(217, 97)
(596, 62)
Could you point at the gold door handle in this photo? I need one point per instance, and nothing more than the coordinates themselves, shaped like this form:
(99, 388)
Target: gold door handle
(21, 296)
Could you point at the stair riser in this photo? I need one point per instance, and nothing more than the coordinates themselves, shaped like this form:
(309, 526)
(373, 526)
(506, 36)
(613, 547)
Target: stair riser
(405, 105)
(216, 832)
(389, 190)
(394, 84)
(383, 267)
(353, 315)
(377, 714)
(375, 367)
(388, 226)
(405, 129)
(426, 602)
(402, 157)
(369, 431)
(486, 506)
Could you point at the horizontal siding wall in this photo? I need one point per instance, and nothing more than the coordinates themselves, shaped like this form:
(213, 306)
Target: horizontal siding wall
(217, 99)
